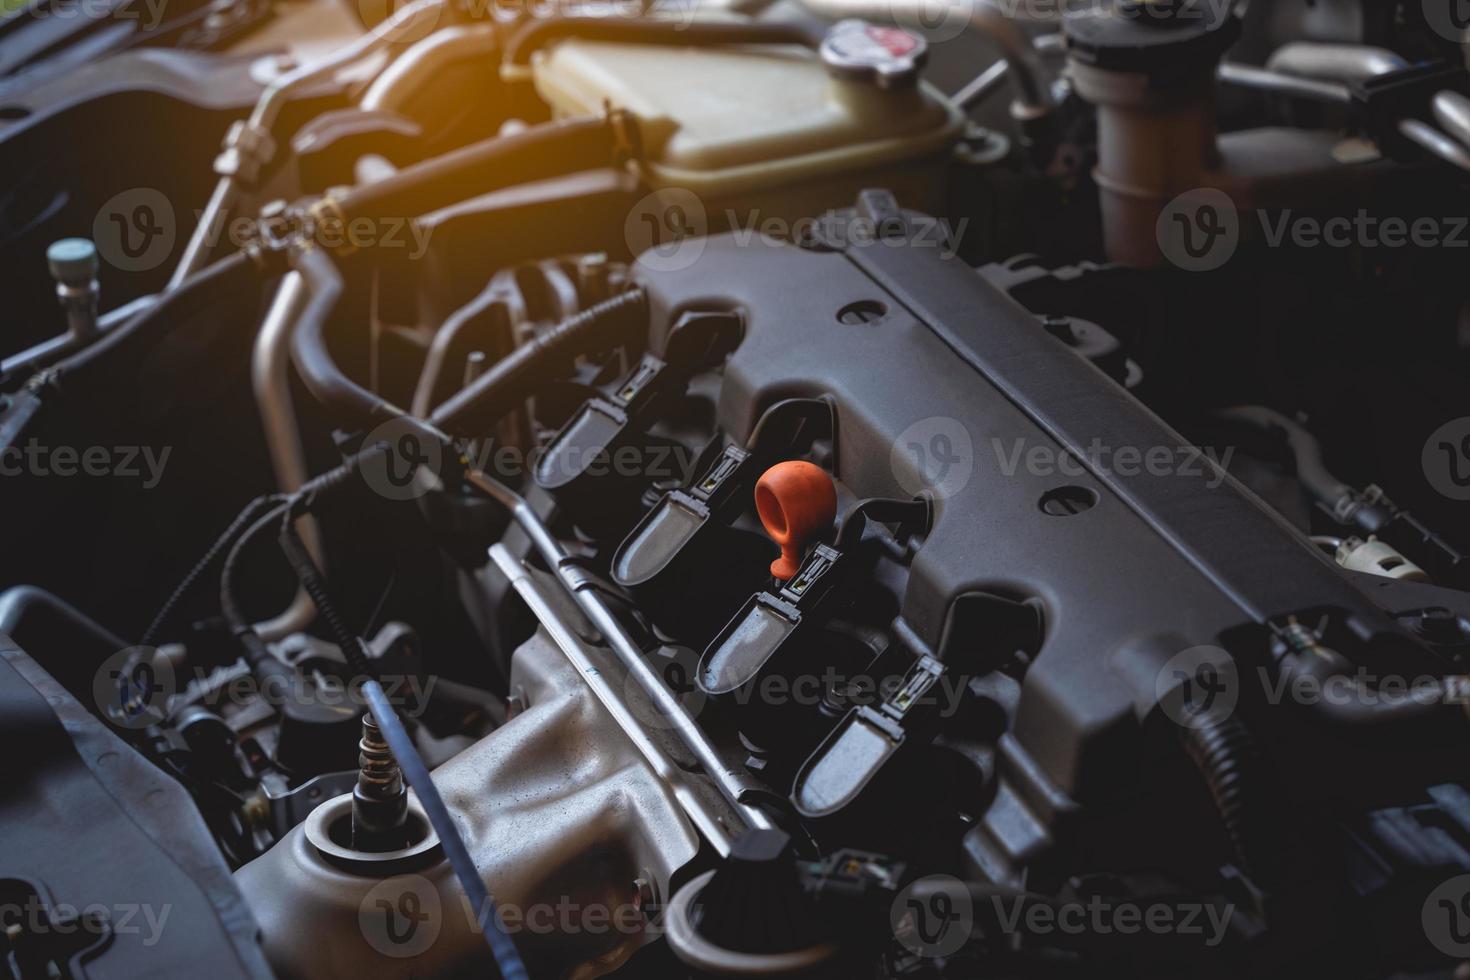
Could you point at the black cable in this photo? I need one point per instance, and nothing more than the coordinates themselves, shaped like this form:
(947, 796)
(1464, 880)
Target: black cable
(202, 565)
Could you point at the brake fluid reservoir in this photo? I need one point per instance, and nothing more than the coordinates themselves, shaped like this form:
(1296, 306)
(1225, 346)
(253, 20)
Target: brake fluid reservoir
(770, 131)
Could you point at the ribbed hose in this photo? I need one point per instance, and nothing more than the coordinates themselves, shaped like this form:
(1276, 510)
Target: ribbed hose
(302, 503)
(1226, 755)
(511, 379)
(415, 771)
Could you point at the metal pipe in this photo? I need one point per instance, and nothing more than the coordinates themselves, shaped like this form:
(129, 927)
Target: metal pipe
(227, 191)
(1451, 151)
(18, 602)
(1452, 111)
(734, 785)
(270, 379)
(1334, 62)
(1249, 76)
(1032, 82)
(393, 90)
(610, 698)
(59, 346)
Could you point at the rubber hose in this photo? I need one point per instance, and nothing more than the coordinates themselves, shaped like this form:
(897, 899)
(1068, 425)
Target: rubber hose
(1226, 755)
(552, 149)
(512, 378)
(318, 371)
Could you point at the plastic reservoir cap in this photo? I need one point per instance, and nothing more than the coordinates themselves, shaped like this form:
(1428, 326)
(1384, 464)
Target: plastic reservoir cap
(72, 260)
(888, 56)
(796, 502)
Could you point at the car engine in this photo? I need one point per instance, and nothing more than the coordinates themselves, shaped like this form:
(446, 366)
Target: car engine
(937, 489)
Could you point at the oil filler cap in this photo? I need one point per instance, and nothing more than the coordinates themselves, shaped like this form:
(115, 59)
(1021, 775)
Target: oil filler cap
(890, 57)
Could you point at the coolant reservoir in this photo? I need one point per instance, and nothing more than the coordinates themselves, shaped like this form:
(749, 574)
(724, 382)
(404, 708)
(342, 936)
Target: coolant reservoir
(758, 132)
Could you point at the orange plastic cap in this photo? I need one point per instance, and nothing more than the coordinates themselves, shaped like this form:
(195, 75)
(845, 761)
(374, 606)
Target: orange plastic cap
(797, 503)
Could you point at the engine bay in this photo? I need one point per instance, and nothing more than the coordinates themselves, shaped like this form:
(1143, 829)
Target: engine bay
(830, 489)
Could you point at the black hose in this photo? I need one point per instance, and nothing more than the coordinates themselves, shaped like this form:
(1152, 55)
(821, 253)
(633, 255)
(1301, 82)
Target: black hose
(273, 675)
(19, 601)
(540, 152)
(315, 584)
(1340, 698)
(198, 293)
(1311, 469)
(512, 378)
(541, 32)
(318, 371)
(1227, 757)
